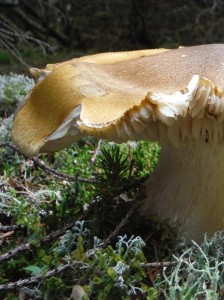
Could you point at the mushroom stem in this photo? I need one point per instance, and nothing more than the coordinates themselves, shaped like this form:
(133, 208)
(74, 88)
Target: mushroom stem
(187, 185)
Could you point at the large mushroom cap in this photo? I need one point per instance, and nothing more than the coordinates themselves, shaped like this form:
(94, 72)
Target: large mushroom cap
(157, 95)
(53, 105)
(101, 58)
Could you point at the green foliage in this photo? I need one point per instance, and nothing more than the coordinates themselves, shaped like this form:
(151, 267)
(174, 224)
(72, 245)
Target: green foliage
(110, 272)
(108, 208)
(143, 156)
(4, 57)
(117, 272)
(146, 155)
(34, 270)
(113, 165)
(25, 214)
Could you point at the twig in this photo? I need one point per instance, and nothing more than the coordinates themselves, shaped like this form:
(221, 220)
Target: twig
(96, 152)
(4, 214)
(9, 34)
(6, 234)
(162, 264)
(35, 279)
(46, 168)
(9, 145)
(47, 238)
(10, 228)
(49, 170)
(53, 235)
(15, 251)
(135, 205)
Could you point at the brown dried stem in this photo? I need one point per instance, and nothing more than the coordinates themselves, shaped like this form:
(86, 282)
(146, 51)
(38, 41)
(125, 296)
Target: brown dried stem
(53, 235)
(135, 205)
(49, 170)
(35, 279)
(10, 228)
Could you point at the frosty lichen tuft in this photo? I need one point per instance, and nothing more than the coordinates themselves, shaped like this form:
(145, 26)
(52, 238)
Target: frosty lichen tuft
(13, 89)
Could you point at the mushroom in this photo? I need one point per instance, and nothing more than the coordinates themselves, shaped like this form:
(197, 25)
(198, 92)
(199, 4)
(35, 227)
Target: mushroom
(174, 97)
(102, 58)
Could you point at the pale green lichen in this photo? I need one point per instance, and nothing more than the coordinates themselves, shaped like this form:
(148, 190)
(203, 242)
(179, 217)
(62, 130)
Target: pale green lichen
(5, 127)
(199, 272)
(13, 89)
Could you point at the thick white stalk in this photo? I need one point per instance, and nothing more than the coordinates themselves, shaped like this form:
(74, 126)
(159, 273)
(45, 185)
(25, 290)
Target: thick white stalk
(188, 185)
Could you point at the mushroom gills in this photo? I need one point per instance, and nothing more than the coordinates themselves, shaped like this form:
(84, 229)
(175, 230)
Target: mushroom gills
(195, 113)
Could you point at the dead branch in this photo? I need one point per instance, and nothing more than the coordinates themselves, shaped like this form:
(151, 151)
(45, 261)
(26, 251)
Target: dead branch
(96, 152)
(53, 235)
(38, 28)
(15, 251)
(42, 165)
(135, 205)
(49, 170)
(35, 279)
(162, 264)
(10, 228)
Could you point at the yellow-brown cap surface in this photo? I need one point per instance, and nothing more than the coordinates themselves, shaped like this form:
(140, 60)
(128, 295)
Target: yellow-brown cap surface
(112, 91)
